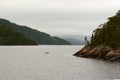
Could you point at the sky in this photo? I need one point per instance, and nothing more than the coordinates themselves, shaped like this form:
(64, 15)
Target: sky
(59, 17)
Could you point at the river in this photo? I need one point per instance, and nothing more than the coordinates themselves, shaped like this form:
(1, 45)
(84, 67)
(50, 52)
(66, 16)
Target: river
(52, 63)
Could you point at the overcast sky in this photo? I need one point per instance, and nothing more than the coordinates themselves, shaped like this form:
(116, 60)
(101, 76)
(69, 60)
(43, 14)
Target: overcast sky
(58, 17)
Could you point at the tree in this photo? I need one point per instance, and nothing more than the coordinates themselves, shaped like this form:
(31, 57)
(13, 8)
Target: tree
(108, 34)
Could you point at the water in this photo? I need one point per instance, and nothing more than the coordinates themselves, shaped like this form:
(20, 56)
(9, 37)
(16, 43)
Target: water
(33, 63)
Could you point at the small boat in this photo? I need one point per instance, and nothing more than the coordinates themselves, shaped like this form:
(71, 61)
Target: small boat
(46, 52)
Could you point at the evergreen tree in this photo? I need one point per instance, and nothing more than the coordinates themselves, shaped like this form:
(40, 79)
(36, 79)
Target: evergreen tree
(9, 36)
(107, 34)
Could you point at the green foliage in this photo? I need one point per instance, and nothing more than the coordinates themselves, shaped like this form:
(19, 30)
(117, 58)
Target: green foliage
(108, 34)
(9, 36)
(39, 37)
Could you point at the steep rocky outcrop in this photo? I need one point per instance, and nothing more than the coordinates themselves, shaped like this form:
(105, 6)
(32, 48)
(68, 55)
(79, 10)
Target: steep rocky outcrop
(105, 41)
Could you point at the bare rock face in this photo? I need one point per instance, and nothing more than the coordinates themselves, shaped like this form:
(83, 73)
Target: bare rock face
(99, 52)
(113, 55)
(110, 55)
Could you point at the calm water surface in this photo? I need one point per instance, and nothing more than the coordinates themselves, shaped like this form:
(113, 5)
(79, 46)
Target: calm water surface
(33, 63)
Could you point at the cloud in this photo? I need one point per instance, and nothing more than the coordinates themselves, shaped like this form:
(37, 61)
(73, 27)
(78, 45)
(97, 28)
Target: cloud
(59, 16)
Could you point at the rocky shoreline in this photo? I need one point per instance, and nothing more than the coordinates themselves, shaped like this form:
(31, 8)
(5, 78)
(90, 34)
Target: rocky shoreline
(99, 52)
(105, 41)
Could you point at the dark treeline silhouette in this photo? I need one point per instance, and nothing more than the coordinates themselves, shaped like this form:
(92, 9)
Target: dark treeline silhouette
(107, 34)
(105, 41)
(35, 35)
(9, 36)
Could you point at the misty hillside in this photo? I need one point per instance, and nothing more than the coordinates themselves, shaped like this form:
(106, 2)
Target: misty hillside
(60, 41)
(33, 34)
(75, 39)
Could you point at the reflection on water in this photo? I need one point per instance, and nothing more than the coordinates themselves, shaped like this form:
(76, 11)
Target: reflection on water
(52, 63)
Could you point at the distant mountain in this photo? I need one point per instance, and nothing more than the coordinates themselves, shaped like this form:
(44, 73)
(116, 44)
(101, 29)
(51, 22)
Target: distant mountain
(9, 36)
(33, 34)
(75, 39)
(60, 41)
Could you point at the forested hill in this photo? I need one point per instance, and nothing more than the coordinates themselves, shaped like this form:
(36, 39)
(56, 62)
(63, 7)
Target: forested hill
(39, 37)
(107, 34)
(105, 41)
(9, 36)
